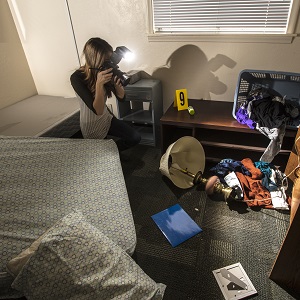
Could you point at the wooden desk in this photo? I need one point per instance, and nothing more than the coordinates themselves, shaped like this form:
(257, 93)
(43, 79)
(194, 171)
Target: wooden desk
(286, 268)
(219, 133)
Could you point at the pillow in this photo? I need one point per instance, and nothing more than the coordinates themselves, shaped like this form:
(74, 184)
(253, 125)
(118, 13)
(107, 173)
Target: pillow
(15, 265)
(77, 261)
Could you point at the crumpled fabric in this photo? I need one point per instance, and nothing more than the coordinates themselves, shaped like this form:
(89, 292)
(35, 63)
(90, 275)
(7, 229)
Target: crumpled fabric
(275, 136)
(279, 198)
(267, 168)
(226, 166)
(267, 109)
(267, 112)
(243, 118)
(233, 182)
(255, 194)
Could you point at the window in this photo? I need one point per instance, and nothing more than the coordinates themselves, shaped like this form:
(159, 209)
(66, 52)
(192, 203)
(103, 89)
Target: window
(200, 17)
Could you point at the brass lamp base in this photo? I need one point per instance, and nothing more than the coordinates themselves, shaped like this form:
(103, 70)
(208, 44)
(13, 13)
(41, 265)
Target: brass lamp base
(213, 186)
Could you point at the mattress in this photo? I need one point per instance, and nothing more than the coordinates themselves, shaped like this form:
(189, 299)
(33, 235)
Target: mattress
(41, 115)
(44, 179)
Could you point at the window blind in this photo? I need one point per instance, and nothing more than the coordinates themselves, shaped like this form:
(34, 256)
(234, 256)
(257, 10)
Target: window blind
(192, 16)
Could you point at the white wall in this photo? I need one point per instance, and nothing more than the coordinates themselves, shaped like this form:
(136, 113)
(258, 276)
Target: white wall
(16, 82)
(45, 32)
(208, 70)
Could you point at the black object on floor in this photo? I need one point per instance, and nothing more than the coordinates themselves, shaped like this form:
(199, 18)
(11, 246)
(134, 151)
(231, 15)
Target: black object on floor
(230, 234)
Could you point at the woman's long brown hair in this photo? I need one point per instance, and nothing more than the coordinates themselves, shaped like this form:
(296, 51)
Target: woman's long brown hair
(95, 51)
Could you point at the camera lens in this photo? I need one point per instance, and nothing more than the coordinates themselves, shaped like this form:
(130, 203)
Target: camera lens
(124, 78)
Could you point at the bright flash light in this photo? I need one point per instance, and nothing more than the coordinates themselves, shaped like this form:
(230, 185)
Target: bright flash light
(129, 56)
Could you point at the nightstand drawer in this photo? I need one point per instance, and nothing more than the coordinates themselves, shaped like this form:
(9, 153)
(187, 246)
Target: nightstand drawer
(138, 95)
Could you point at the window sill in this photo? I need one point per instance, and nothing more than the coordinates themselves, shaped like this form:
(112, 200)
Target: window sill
(223, 38)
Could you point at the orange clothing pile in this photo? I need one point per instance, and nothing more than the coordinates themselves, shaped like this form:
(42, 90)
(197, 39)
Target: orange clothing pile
(255, 194)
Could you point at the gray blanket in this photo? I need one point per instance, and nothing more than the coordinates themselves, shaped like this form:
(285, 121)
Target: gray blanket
(44, 179)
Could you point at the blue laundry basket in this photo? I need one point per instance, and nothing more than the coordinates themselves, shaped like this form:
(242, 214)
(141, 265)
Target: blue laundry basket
(287, 84)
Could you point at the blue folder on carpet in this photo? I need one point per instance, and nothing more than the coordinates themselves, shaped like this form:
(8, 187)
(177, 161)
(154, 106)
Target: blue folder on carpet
(176, 224)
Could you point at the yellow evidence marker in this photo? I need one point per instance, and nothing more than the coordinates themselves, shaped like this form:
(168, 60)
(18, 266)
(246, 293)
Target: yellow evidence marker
(181, 99)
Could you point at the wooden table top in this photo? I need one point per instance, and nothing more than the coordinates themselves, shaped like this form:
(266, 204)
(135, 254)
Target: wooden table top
(208, 113)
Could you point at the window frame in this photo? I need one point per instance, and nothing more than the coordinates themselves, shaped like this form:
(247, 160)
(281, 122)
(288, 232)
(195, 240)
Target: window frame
(224, 37)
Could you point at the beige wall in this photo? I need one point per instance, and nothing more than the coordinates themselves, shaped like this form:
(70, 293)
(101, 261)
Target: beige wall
(206, 69)
(16, 82)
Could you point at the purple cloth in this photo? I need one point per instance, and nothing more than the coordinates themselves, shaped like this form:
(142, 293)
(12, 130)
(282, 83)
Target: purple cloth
(243, 118)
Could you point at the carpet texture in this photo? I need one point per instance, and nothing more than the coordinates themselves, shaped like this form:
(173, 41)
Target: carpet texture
(231, 234)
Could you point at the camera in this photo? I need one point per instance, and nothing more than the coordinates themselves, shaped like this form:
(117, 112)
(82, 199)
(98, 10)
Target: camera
(124, 78)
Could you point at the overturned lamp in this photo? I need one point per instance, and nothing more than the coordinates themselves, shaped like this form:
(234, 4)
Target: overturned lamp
(184, 163)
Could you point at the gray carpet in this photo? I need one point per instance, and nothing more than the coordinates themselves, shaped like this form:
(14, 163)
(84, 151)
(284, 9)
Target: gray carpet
(231, 234)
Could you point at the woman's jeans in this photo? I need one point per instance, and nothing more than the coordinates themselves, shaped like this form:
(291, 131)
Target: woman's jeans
(126, 134)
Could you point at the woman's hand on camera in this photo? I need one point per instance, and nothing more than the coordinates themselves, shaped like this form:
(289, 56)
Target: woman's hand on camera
(120, 93)
(104, 76)
(117, 82)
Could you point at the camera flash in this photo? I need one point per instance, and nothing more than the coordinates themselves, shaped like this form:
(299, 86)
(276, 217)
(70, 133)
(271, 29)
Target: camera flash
(129, 56)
